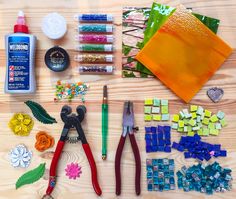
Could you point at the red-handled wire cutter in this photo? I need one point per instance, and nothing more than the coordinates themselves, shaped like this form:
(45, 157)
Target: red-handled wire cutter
(128, 128)
(72, 120)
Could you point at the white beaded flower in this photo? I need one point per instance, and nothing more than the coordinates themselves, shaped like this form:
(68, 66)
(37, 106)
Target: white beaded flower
(20, 156)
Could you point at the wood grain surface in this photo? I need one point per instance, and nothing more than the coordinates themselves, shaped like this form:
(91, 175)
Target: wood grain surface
(119, 91)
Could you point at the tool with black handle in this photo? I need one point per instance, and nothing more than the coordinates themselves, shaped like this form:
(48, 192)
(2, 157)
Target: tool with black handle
(72, 120)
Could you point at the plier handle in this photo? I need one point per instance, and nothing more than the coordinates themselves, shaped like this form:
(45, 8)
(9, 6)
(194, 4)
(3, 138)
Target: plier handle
(128, 128)
(72, 120)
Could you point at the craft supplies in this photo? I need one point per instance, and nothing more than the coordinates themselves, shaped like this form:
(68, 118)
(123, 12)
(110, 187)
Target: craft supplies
(20, 156)
(40, 113)
(134, 21)
(198, 120)
(57, 59)
(139, 25)
(95, 47)
(160, 174)
(95, 28)
(156, 110)
(94, 42)
(104, 122)
(128, 129)
(43, 141)
(73, 170)
(92, 38)
(31, 176)
(215, 94)
(21, 124)
(69, 91)
(20, 53)
(54, 26)
(72, 120)
(158, 139)
(94, 17)
(96, 69)
(193, 147)
(184, 73)
(205, 178)
(94, 58)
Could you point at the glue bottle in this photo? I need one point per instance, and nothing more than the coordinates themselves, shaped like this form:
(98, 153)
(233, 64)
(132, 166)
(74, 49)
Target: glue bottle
(20, 52)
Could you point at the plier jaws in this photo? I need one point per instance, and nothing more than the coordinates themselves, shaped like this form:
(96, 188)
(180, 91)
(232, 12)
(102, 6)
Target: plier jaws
(128, 128)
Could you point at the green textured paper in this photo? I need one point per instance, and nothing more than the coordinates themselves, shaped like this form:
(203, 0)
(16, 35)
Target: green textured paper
(158, 16)
(211, 23)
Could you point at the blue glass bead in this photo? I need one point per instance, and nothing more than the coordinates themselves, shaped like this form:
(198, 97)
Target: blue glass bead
(175, 145)
(167, 149)
(153, 129)
(148, 129)
(149, 187)
(167, 128)
(223, 153)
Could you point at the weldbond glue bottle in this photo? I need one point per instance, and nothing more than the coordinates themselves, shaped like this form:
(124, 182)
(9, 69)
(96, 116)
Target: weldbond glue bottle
(20, 51)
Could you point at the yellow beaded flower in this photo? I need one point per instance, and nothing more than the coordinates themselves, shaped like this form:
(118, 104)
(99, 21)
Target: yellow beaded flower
(21, 124)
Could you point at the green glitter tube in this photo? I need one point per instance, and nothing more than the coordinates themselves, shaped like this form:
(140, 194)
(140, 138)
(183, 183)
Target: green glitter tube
(99, 28)
(95, 47)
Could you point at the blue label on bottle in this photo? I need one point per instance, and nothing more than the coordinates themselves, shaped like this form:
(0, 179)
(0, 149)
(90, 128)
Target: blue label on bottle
(18, 63)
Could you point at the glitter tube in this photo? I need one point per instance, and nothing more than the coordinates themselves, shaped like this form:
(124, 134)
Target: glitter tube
(94, 58)
(95, 47)
(98, 28)
(96, 69)
(91, 38)
(94, 17)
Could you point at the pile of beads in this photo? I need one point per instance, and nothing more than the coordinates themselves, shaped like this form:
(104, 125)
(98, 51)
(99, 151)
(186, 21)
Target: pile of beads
(95, 38)
(68, 91)
(193, 147)
(158, 139)
(156, 110)
(160, 174)
(198, 120)
(205, 179)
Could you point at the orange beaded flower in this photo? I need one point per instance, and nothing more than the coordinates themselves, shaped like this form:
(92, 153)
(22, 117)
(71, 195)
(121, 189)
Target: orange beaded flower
(43, 141)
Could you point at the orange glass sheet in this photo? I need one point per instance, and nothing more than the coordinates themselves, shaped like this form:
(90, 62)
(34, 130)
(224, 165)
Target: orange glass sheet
(184, 54)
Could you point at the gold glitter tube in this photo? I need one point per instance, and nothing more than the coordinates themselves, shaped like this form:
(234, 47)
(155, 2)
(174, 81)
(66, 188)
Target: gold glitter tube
(94, 58)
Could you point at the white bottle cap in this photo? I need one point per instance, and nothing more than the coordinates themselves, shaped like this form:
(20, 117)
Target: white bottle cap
(108, 47)
(54, 26)
(109, 28)
(109, 58)
(110, 38)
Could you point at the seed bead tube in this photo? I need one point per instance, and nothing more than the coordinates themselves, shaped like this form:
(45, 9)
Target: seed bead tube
(95, 47)
(96, 69)
(94, 58)
(98, 28)
(94, 17)
(91, 38)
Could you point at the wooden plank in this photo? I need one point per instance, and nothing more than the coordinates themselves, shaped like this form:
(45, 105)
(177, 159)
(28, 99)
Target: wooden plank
(119, 90)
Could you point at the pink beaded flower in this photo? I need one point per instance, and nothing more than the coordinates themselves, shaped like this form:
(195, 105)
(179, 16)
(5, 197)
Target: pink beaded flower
(73, 170)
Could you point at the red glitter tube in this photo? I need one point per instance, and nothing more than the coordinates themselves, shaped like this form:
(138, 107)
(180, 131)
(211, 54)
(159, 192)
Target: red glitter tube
(91, 38)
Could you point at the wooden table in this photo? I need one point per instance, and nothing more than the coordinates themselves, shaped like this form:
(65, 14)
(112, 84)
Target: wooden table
(119, 91)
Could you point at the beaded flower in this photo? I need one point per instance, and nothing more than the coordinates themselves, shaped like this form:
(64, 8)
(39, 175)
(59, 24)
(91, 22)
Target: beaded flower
(73, 171)
(21, 124)
(20, 156)
(43, 141)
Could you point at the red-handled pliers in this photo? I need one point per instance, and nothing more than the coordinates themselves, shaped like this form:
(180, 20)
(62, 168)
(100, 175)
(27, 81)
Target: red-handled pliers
(72, 120)
(128, 128)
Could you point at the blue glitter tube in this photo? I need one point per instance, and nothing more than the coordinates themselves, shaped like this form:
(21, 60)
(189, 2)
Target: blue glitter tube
(98, 28)
(94, 17)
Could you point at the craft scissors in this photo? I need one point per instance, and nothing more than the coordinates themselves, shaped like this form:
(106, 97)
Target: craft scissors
(128, 129)
(72, 120)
